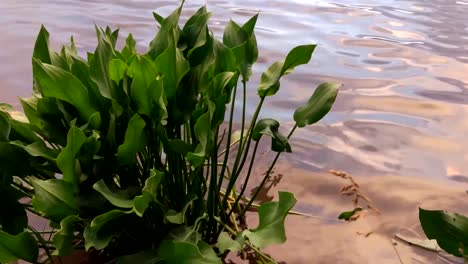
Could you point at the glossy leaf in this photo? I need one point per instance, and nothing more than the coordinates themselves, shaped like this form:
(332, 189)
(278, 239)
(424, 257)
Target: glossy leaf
(149, 193)
(135, 140)
(5, 127)
(167, 34)
(203, 135)
(66, 160)
(173, 66)
(117, 69)
(449, 229)
(114, 197)
(99, 64)
(41, 47)
(179, 217)
(54, 199)
(96, 235)
(60, 84)
(225, 242)
(271, 227)
(129, 48)
(270, 127)
(39, 149)
(22, 246)
(64, 237)
(143, 72)
(318, 105)
(270, 79)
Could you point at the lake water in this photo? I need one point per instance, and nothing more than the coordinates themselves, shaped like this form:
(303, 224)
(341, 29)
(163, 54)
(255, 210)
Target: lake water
(402, 110)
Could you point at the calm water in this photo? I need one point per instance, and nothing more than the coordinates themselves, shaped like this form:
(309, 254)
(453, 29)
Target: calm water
(404, 65)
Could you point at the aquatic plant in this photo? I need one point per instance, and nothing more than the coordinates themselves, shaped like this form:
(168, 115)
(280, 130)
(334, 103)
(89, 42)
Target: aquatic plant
(130, 154)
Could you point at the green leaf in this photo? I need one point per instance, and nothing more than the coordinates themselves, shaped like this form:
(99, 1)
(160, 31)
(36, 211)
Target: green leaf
(64, 237)
(13, 160)
(297, 56)
(99, 64)
(129, 48)
(66, 160)
(54, 199)
(158, 18)
(22, 246)
(142, 92)
(174, 252)
(271, 227)
(243, 44)
(173, 66)
(318, 105)
(449, 229)
(134, 141)
(100, 231)
(114, 197)
(117, 69)
(41, 48)
(39, 149)
(270, 127)
(348, 214)
(179, 217)
(225, 242)
(149, 192)
(270, 80)
(60, 84)
(204, 135)
(5, 127)
(167, 34)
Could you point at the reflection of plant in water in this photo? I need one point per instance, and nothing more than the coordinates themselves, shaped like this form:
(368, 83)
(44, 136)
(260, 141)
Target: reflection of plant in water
(122, 152)
(272, 181)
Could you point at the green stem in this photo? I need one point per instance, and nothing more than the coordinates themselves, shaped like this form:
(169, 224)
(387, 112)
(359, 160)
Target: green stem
(267, 176)
(242, 149)
(244, 187)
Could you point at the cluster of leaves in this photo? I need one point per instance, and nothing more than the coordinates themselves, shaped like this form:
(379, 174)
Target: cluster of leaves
(125, 152)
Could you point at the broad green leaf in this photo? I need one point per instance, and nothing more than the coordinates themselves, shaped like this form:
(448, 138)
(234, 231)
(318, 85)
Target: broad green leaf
(348, 214)
(173, 66)
(114, 197)
(167, 34)
(64, 237)
(204, 135)
(99, 64)
(22, 246)
(449, 229)
(270, 79)
(41, 48)
(318, 105)
(179, 146)
(174, 252)
(271, 227)
(98, 234)
(194, 30)
(57, 83)
(48, 130)
(117, 69)
(243, 43)
(179, 217)
(184, 246)
(149, 192)
(66, 160)
(135, 140)
(158, 18)
(297, 56)
(143, 72)
(39, 149)
(22, 131)
(270, 127)
(225, 242)
(54, 199)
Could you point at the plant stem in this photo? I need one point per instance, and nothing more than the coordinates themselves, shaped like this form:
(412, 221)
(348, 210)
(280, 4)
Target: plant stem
(241, 150)
(267, 176)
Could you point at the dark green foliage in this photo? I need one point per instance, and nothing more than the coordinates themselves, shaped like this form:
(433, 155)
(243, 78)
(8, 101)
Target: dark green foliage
(124, 152)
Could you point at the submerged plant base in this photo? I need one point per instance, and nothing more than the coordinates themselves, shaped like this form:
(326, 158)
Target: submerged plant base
(125, 155)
